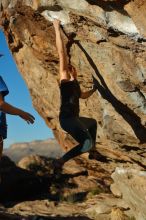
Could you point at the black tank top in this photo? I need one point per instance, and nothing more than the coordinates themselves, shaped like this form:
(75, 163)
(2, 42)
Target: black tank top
(70, 93)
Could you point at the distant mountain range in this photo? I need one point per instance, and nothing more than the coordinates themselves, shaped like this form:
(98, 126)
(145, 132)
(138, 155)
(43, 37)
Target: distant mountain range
(49, 148)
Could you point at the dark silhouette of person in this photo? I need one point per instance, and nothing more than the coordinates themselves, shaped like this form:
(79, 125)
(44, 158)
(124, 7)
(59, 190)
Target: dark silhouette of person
(9, 109)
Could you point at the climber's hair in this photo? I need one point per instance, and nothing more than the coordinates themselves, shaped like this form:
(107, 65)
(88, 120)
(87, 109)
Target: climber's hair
(72, 70)
(71, 67)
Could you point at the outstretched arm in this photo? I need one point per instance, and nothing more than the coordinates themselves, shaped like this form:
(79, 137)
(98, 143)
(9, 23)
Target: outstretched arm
(64, 75)
(7, 108)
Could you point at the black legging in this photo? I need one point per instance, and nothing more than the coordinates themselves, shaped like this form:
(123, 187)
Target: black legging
(83, 130)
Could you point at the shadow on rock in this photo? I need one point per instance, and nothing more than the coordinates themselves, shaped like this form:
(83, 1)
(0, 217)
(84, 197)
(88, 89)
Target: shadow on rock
(19, 184)
(128, 114)
(60, 218)
(34, 179)
(6, 216)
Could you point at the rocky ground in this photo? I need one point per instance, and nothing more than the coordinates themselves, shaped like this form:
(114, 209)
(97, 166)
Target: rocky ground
(30, 190)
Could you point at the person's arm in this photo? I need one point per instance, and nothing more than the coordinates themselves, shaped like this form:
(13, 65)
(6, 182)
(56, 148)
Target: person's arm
(64, 75)
(87, 94)
(9, 109)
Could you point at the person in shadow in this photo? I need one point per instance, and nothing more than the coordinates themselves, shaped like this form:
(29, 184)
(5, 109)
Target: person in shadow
(82, 129)
(9, 109)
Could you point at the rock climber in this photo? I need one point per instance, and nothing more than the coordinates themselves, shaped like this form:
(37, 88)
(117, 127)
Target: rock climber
(82, 129)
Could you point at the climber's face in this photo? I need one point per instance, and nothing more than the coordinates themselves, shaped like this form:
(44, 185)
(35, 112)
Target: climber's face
(72, 71)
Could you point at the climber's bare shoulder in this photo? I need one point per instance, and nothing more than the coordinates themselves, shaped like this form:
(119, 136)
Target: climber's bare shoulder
(64, 75)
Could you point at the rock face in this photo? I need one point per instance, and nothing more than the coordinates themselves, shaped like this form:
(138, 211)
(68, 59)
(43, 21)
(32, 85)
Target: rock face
(132, 186)
(105, 40)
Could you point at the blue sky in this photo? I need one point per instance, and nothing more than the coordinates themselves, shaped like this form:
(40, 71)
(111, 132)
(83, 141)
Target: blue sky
(19, 130)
